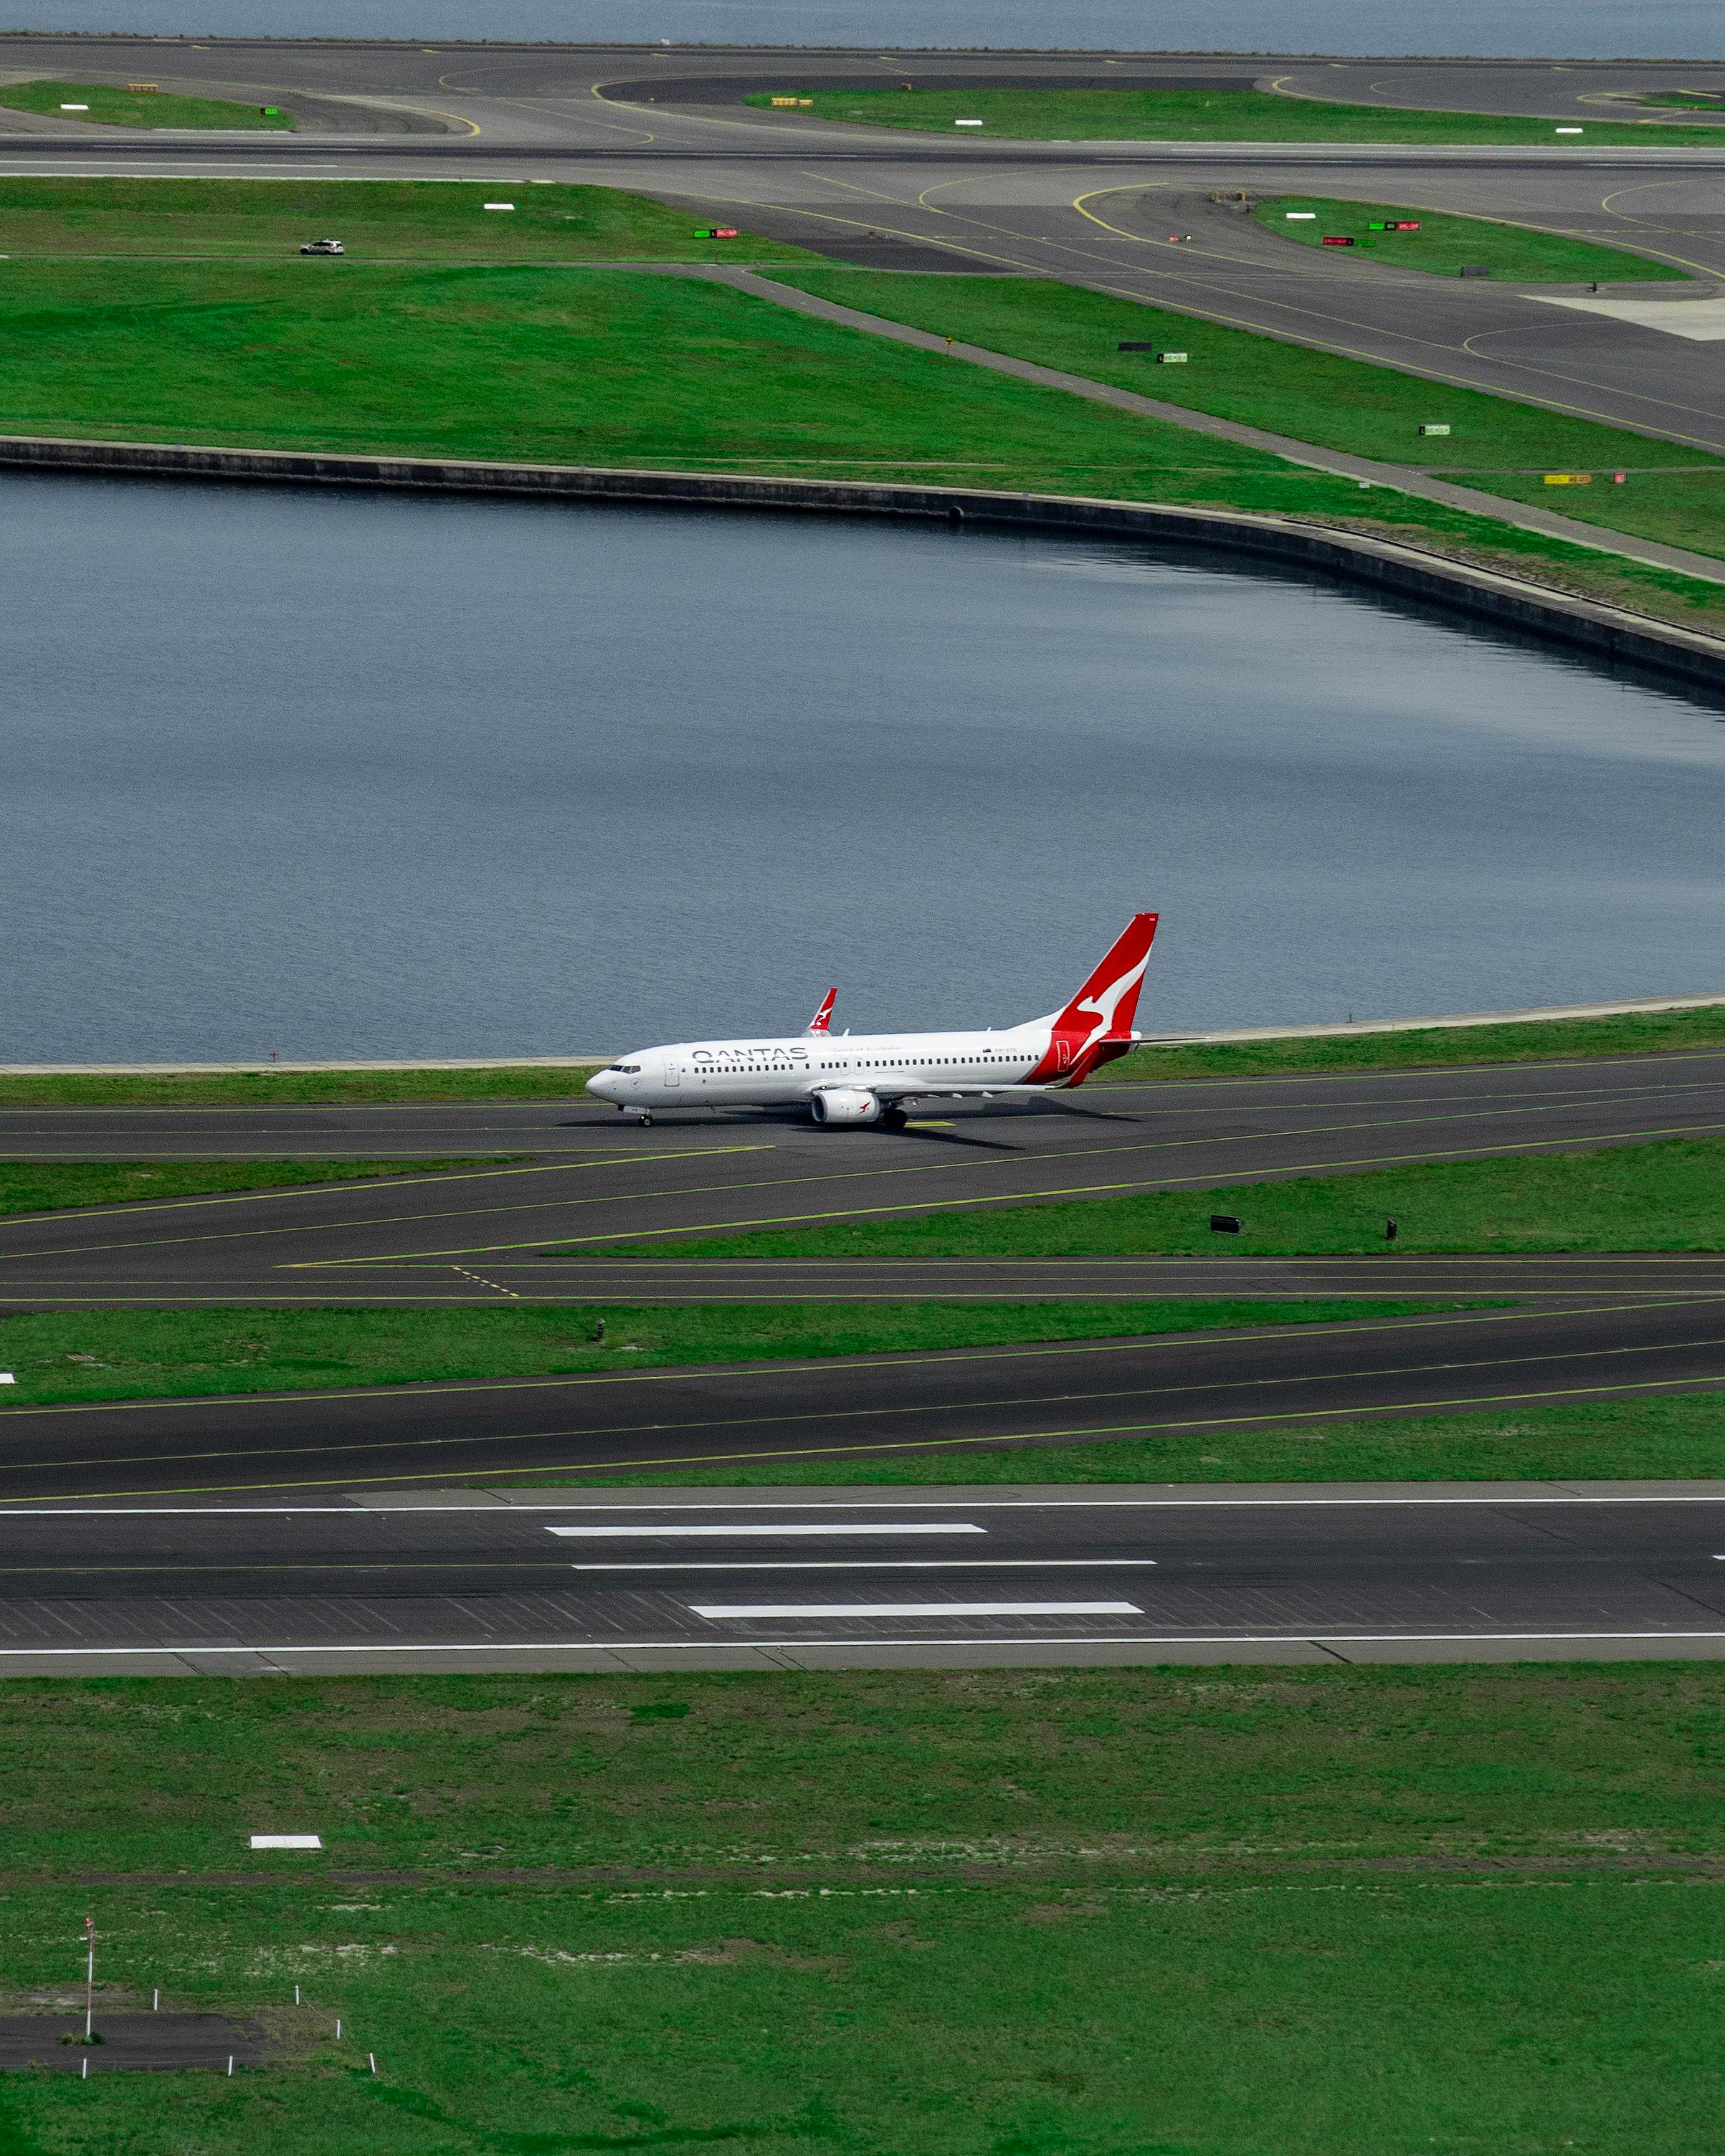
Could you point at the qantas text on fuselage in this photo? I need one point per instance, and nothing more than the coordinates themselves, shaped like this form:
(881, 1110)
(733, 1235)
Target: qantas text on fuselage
(869, 1078)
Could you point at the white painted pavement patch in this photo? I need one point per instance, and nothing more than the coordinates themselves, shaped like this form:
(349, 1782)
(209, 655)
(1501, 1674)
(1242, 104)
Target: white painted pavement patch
(1701, 320)
(287, 1842)
(794, 1527)
(916, 1610)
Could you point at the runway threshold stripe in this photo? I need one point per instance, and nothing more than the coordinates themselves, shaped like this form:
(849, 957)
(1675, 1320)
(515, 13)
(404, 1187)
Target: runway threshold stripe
(776, 1528)
(740, 1610)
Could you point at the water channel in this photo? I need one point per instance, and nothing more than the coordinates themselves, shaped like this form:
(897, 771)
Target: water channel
(346, 774)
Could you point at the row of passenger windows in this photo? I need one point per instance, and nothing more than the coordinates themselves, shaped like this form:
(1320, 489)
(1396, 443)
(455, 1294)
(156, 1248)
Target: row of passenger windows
(861, 1063)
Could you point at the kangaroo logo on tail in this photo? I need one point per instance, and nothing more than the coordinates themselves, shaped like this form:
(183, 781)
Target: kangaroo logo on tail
(1096, 1026)
(821, 1021)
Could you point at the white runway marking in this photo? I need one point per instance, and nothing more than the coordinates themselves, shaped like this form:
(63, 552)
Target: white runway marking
(795, 1528)
(881, 1564)
(916, 1610)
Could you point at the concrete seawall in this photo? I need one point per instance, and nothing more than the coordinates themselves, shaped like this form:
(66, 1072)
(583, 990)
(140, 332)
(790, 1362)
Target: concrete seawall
(1610, 632)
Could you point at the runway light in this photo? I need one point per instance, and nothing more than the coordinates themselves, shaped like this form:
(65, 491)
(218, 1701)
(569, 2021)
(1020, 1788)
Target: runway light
(1226, 1223)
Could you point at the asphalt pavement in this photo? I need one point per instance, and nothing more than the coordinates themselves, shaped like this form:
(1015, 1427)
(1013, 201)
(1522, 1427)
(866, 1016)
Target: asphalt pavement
(744, 1579)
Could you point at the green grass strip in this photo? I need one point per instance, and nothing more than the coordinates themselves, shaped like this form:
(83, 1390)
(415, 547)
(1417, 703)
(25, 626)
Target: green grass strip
(1444, 241)
(1643, 1033)
(197, 1089)
(392, 220)
(124, 1354)
(1209, 115)
(109, 105)
(1674, 493)
(1679, 1436)
(36, 1186)
(1667, 1196)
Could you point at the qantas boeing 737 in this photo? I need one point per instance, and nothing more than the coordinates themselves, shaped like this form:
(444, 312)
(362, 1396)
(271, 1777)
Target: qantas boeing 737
(869, 1078)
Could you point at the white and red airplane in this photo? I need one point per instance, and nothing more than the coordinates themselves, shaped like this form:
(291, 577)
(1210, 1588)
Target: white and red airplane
(869, 1078)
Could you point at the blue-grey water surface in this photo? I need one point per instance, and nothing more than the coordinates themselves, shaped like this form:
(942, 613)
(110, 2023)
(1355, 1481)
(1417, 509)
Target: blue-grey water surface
(1574, 29)
(354, 774)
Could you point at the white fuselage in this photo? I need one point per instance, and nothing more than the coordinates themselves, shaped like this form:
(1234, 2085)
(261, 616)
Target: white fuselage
(788, 1071)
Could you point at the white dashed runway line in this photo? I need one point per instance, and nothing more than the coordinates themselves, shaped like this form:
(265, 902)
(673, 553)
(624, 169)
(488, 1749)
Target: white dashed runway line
(721, 1609)
(776, 1529)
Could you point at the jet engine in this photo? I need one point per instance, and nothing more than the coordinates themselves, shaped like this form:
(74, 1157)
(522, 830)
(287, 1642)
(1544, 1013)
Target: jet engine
(844, 1104)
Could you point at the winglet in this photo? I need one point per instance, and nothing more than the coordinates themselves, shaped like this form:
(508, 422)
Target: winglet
(821, 1021)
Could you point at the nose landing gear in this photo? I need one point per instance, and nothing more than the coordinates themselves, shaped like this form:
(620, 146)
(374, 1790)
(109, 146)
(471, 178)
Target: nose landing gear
(643, 1118)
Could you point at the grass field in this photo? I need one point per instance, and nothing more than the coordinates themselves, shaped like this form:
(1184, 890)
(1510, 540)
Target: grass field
(1674, 493)
(112, 106)
(1050, 1913)
(1640, 1437)
(193, 1089)
(392, 220)
(1667, 1196)
(1444, 242)
(589, 366)
(164, 1354)
(31, 1186)
(1203, 116)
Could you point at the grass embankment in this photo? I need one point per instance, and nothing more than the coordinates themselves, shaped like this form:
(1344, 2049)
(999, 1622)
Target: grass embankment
(41, 1186)
(1324, 1911)
(1668, 1196)
(609, 367)
(112, 106)
(1647, 1033)
(1207, 116)
(397, 220)
(1674, 493)
(1444, 242)
(128, 1354)
(538, 364)
(215, 1089)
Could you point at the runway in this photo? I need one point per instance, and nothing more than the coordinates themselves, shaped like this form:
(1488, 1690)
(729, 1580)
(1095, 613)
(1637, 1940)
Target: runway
(672, 124)
(710, 1580)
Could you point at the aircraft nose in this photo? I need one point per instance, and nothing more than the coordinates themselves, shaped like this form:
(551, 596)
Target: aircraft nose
(603, 1084)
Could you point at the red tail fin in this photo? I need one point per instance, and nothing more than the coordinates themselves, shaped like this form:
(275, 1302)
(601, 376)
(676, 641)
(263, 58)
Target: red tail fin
(1096, 1026)
(821, 1021)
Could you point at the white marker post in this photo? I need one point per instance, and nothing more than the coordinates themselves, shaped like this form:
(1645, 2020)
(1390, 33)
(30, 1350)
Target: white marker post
(90, 1978)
